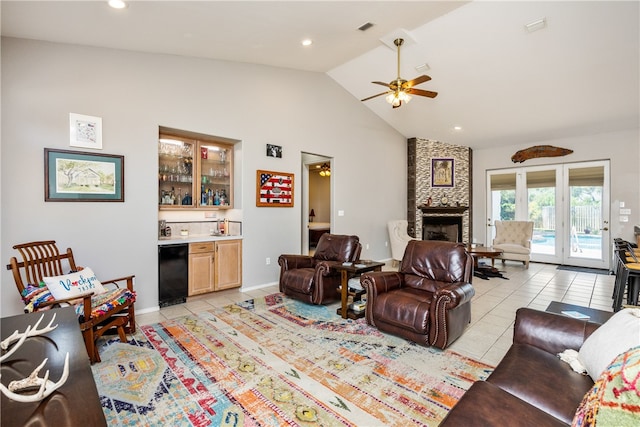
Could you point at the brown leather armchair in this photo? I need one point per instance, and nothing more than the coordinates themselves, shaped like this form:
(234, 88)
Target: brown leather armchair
(312, 278)
(428, 300)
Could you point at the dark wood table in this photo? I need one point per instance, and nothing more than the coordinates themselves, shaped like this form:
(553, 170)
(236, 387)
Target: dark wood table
(346, 271)
(76, 403)
(595, 316)
(483, 252)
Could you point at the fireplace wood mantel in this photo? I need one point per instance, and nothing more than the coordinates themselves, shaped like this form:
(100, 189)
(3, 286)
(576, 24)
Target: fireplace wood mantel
(443, 209)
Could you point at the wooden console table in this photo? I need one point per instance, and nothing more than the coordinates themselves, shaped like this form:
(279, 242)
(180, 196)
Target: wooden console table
(76, 403)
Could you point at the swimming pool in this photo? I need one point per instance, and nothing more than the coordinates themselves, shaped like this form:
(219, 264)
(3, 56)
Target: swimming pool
(587, 243)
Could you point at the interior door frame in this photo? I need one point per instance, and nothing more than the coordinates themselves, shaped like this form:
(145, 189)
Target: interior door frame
(306, 160)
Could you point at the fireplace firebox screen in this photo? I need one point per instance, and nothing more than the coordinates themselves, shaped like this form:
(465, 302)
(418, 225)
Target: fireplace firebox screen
(448, 228)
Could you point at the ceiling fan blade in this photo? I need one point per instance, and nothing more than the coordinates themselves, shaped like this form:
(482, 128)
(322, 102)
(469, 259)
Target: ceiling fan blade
(416, 81)
(374, 96)
(381, 83)
(421, 92)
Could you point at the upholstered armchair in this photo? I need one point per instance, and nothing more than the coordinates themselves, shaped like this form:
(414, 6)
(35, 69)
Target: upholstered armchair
(514, 239)
(399, 238)
(312, 278)
(428, 299)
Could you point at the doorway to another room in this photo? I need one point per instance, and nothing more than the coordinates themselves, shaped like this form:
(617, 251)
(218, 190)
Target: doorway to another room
(316, 200)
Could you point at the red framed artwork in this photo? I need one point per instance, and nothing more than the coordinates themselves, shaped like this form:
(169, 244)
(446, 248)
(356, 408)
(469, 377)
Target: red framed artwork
(274, 189)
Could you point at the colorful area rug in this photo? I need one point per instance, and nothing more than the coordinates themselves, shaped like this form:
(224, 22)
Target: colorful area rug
(277, 362)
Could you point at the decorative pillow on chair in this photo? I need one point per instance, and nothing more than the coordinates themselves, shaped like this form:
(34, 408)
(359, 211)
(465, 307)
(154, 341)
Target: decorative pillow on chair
(74, 284)
(34, 295)
(614, 399)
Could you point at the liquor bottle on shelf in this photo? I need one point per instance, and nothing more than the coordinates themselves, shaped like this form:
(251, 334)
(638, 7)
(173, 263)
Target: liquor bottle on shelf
(203, 197)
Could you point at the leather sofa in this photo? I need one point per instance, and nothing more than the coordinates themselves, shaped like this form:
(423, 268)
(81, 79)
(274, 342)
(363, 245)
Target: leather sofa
(313, 279)
(428, 300)
(531, 386)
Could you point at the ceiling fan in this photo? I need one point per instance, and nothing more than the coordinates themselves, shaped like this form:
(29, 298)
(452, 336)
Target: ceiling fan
(400, 89)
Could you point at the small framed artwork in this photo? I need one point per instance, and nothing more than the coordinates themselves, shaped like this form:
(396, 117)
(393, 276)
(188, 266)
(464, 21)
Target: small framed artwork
(274, 151)
(274, 189)
(75, 176)
(442, 173)
(85, 131)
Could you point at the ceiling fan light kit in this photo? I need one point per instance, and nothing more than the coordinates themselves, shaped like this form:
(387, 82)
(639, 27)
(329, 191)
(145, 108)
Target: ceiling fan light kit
(400, 90)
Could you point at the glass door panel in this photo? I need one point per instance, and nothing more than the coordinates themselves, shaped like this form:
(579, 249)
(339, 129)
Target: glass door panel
(502, 200)
(215, 175)
(587, 235)
(541, 207)
(175, 173)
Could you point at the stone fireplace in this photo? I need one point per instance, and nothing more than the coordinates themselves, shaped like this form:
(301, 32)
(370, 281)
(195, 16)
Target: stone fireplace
(425, 195)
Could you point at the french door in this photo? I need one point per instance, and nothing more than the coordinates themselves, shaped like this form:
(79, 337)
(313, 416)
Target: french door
(568, 204)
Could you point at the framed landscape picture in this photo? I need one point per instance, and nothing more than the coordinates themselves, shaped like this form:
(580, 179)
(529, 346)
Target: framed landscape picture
(274, 189)
(442, 173)
(75, 176)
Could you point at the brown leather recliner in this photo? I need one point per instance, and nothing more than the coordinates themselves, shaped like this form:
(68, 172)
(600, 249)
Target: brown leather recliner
(312, 278)
(428, 300)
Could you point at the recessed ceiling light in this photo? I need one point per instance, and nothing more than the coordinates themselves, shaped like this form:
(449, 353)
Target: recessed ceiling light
(307, 42)
(457, 128)
(117, 4)
(423, 67)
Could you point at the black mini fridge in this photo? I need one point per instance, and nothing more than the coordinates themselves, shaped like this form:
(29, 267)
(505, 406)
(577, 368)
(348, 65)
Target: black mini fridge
(173, 274)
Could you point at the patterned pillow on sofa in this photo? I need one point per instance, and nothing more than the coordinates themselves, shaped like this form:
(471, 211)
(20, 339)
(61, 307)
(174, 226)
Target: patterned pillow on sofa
(614, 399)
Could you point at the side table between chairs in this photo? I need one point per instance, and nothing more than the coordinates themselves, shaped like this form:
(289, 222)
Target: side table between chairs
(352, 269)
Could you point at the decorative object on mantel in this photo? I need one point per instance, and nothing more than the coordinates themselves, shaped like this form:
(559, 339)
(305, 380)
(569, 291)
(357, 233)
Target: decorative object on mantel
(274, 189)
(428, 202)
(44, 385)
(274, 151)
(442, 172)
(312, 215)
(85, 131)
(539, 151)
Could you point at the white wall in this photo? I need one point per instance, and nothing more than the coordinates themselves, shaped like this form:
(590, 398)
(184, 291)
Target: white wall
(135, 94)
(621, 148)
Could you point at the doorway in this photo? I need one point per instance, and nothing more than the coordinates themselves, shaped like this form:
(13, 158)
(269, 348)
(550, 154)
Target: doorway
(568, 205)
(316, 199)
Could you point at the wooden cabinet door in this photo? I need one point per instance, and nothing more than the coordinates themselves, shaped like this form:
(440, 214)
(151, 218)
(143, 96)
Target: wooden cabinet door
(228, 268)
(201, 268)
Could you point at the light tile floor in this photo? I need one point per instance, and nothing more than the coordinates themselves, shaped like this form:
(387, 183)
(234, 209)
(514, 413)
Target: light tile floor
(493, 307)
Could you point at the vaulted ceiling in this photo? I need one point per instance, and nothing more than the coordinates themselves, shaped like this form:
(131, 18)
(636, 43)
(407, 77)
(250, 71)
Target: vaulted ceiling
(498, 82)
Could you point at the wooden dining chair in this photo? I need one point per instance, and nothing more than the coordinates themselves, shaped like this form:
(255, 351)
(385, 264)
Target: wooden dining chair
(97, 312)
